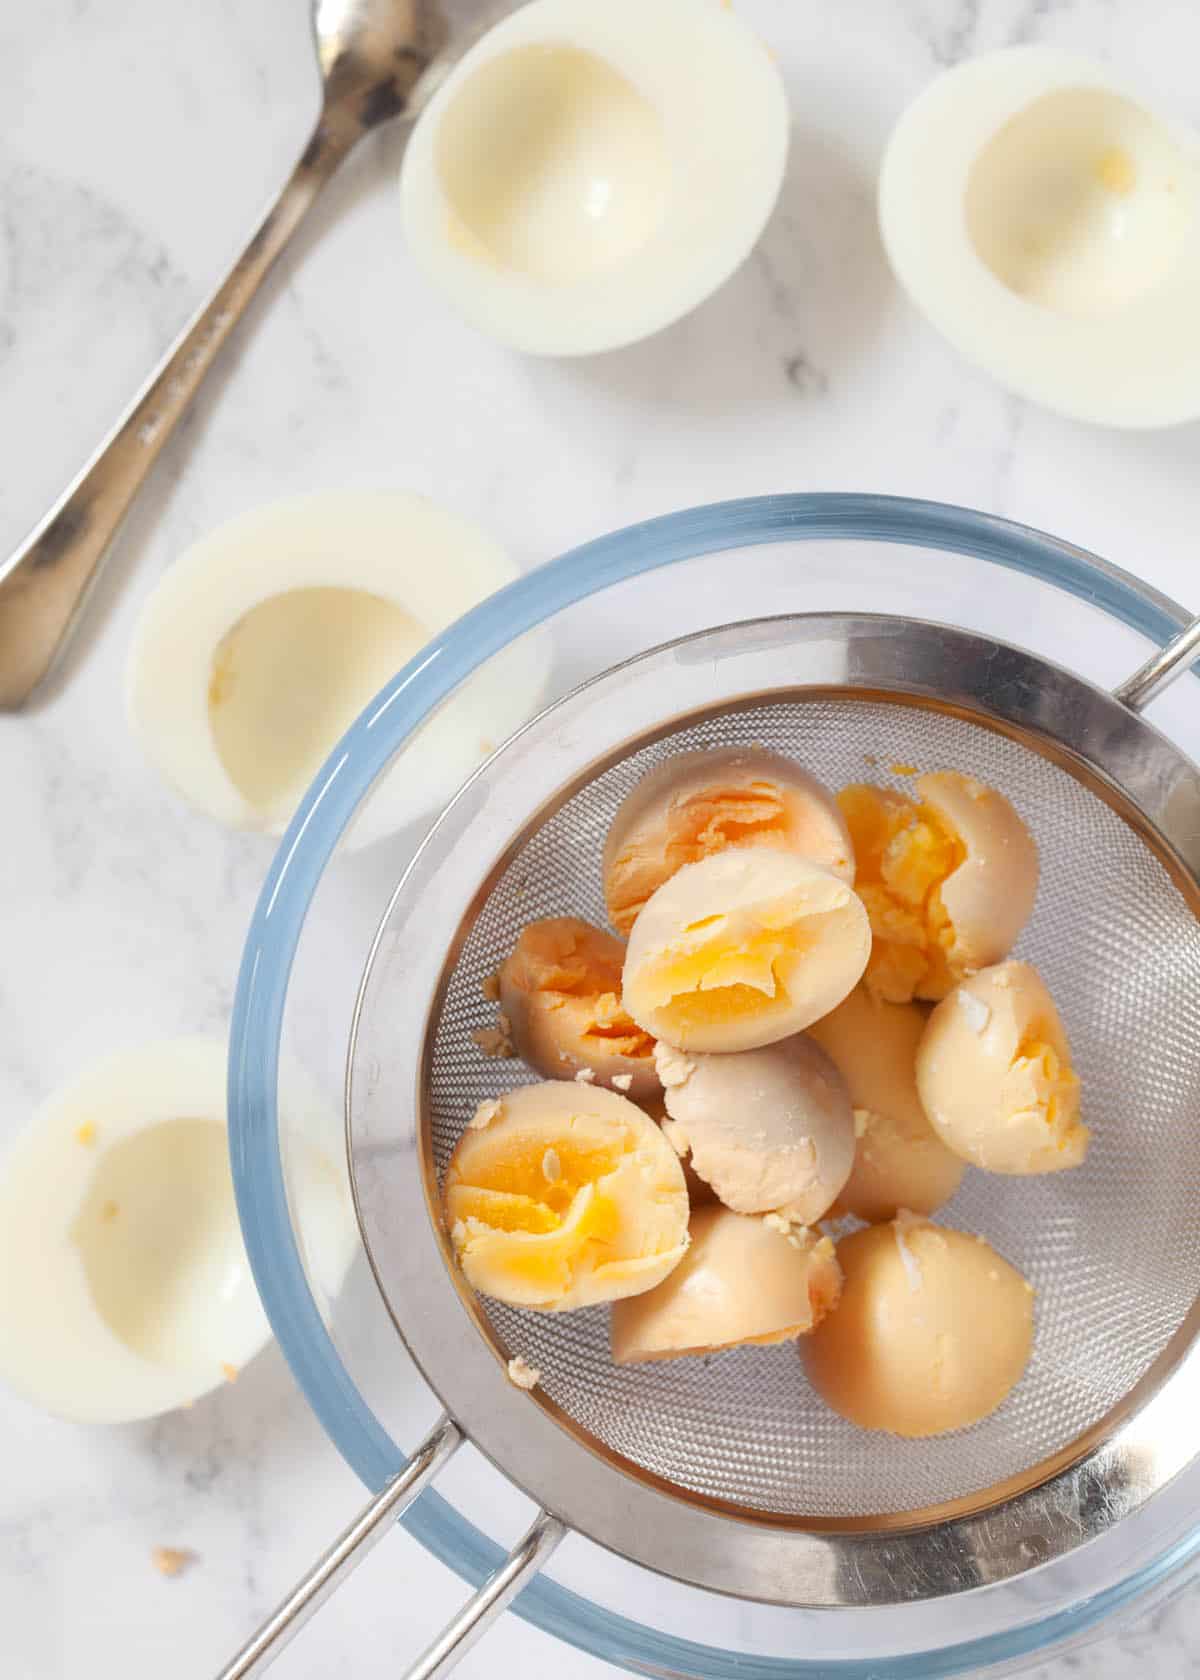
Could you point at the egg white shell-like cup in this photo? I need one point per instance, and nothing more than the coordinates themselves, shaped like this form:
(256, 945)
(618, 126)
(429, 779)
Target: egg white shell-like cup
(240, 681)
(1048, 224)
(125, 1290)
(588, 173)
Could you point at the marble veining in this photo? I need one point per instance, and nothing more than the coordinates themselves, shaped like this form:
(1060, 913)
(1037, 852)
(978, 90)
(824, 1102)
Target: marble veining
(139, 144)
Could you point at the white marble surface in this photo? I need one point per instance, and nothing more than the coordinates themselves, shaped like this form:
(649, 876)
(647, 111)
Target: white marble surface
(138, 140)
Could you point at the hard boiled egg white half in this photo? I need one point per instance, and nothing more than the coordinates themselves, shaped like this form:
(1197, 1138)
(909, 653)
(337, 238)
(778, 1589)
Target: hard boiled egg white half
(264, 642)
(590, 172)
(1048, 223)
(125, 1290)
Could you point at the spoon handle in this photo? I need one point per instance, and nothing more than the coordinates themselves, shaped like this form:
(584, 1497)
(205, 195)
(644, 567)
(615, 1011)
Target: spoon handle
(44, 584)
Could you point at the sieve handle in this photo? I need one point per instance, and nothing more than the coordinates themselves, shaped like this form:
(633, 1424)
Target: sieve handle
(1159, 670)
(346, 1553)
(492, 1599)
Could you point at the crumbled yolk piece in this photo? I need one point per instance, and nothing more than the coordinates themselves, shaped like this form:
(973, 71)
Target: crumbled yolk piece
(1045, 1086)
(905, 852)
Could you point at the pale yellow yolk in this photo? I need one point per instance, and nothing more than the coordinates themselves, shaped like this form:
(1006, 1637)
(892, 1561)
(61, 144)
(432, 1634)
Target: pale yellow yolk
(745, 961)
(905, 853)
(521, 1176)
(1041, 1085)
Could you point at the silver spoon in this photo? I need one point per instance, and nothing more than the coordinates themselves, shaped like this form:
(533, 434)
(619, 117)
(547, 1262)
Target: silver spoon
(375, 58)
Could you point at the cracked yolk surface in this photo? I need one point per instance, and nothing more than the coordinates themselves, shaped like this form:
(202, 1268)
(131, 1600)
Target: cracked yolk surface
(742, 949)
(905, 852)
(744, 961)
(568, 1196)
(561, 991)
(1042, 1085)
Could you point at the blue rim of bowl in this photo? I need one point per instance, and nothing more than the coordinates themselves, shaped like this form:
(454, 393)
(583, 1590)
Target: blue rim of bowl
(275, 932)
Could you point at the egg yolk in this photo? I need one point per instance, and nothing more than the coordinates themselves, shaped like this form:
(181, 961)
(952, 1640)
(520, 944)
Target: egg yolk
(743, 966)
(563, 1195)
(567, 965)
(752, 814)
(544, 1179)
(905, 853)
(1041, 1085)
(550, 1193)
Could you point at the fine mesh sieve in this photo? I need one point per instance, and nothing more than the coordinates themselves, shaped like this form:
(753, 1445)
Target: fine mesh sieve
(1112, 1249)
(727, 1472)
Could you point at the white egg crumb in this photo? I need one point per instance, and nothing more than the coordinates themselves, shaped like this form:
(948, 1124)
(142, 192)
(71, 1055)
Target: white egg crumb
(490, 987)
(494, 1042)
(903, 1222)
(677, 1138)
(671, 1065)
(622, 1081)
(171, 1560)
(977, 1013)
(777, 1222)
(522, 1374)
(824, 1249)
(551, 1166)
(485, 1114)
(862, 1122)
(585, 1076)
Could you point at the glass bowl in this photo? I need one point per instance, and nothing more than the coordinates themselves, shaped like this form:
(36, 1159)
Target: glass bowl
(304, 957)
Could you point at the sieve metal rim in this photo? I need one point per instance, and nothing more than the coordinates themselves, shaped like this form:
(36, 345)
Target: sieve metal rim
(939, 1550)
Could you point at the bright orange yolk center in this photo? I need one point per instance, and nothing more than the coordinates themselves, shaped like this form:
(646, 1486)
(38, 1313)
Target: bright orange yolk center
(1053, 1085)
(543, 1181)
(905, 852)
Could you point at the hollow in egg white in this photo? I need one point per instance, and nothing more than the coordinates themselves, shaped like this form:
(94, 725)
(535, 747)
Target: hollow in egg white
(586, 174)
(1046, 219)
(263, 643)
(125, 1290)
